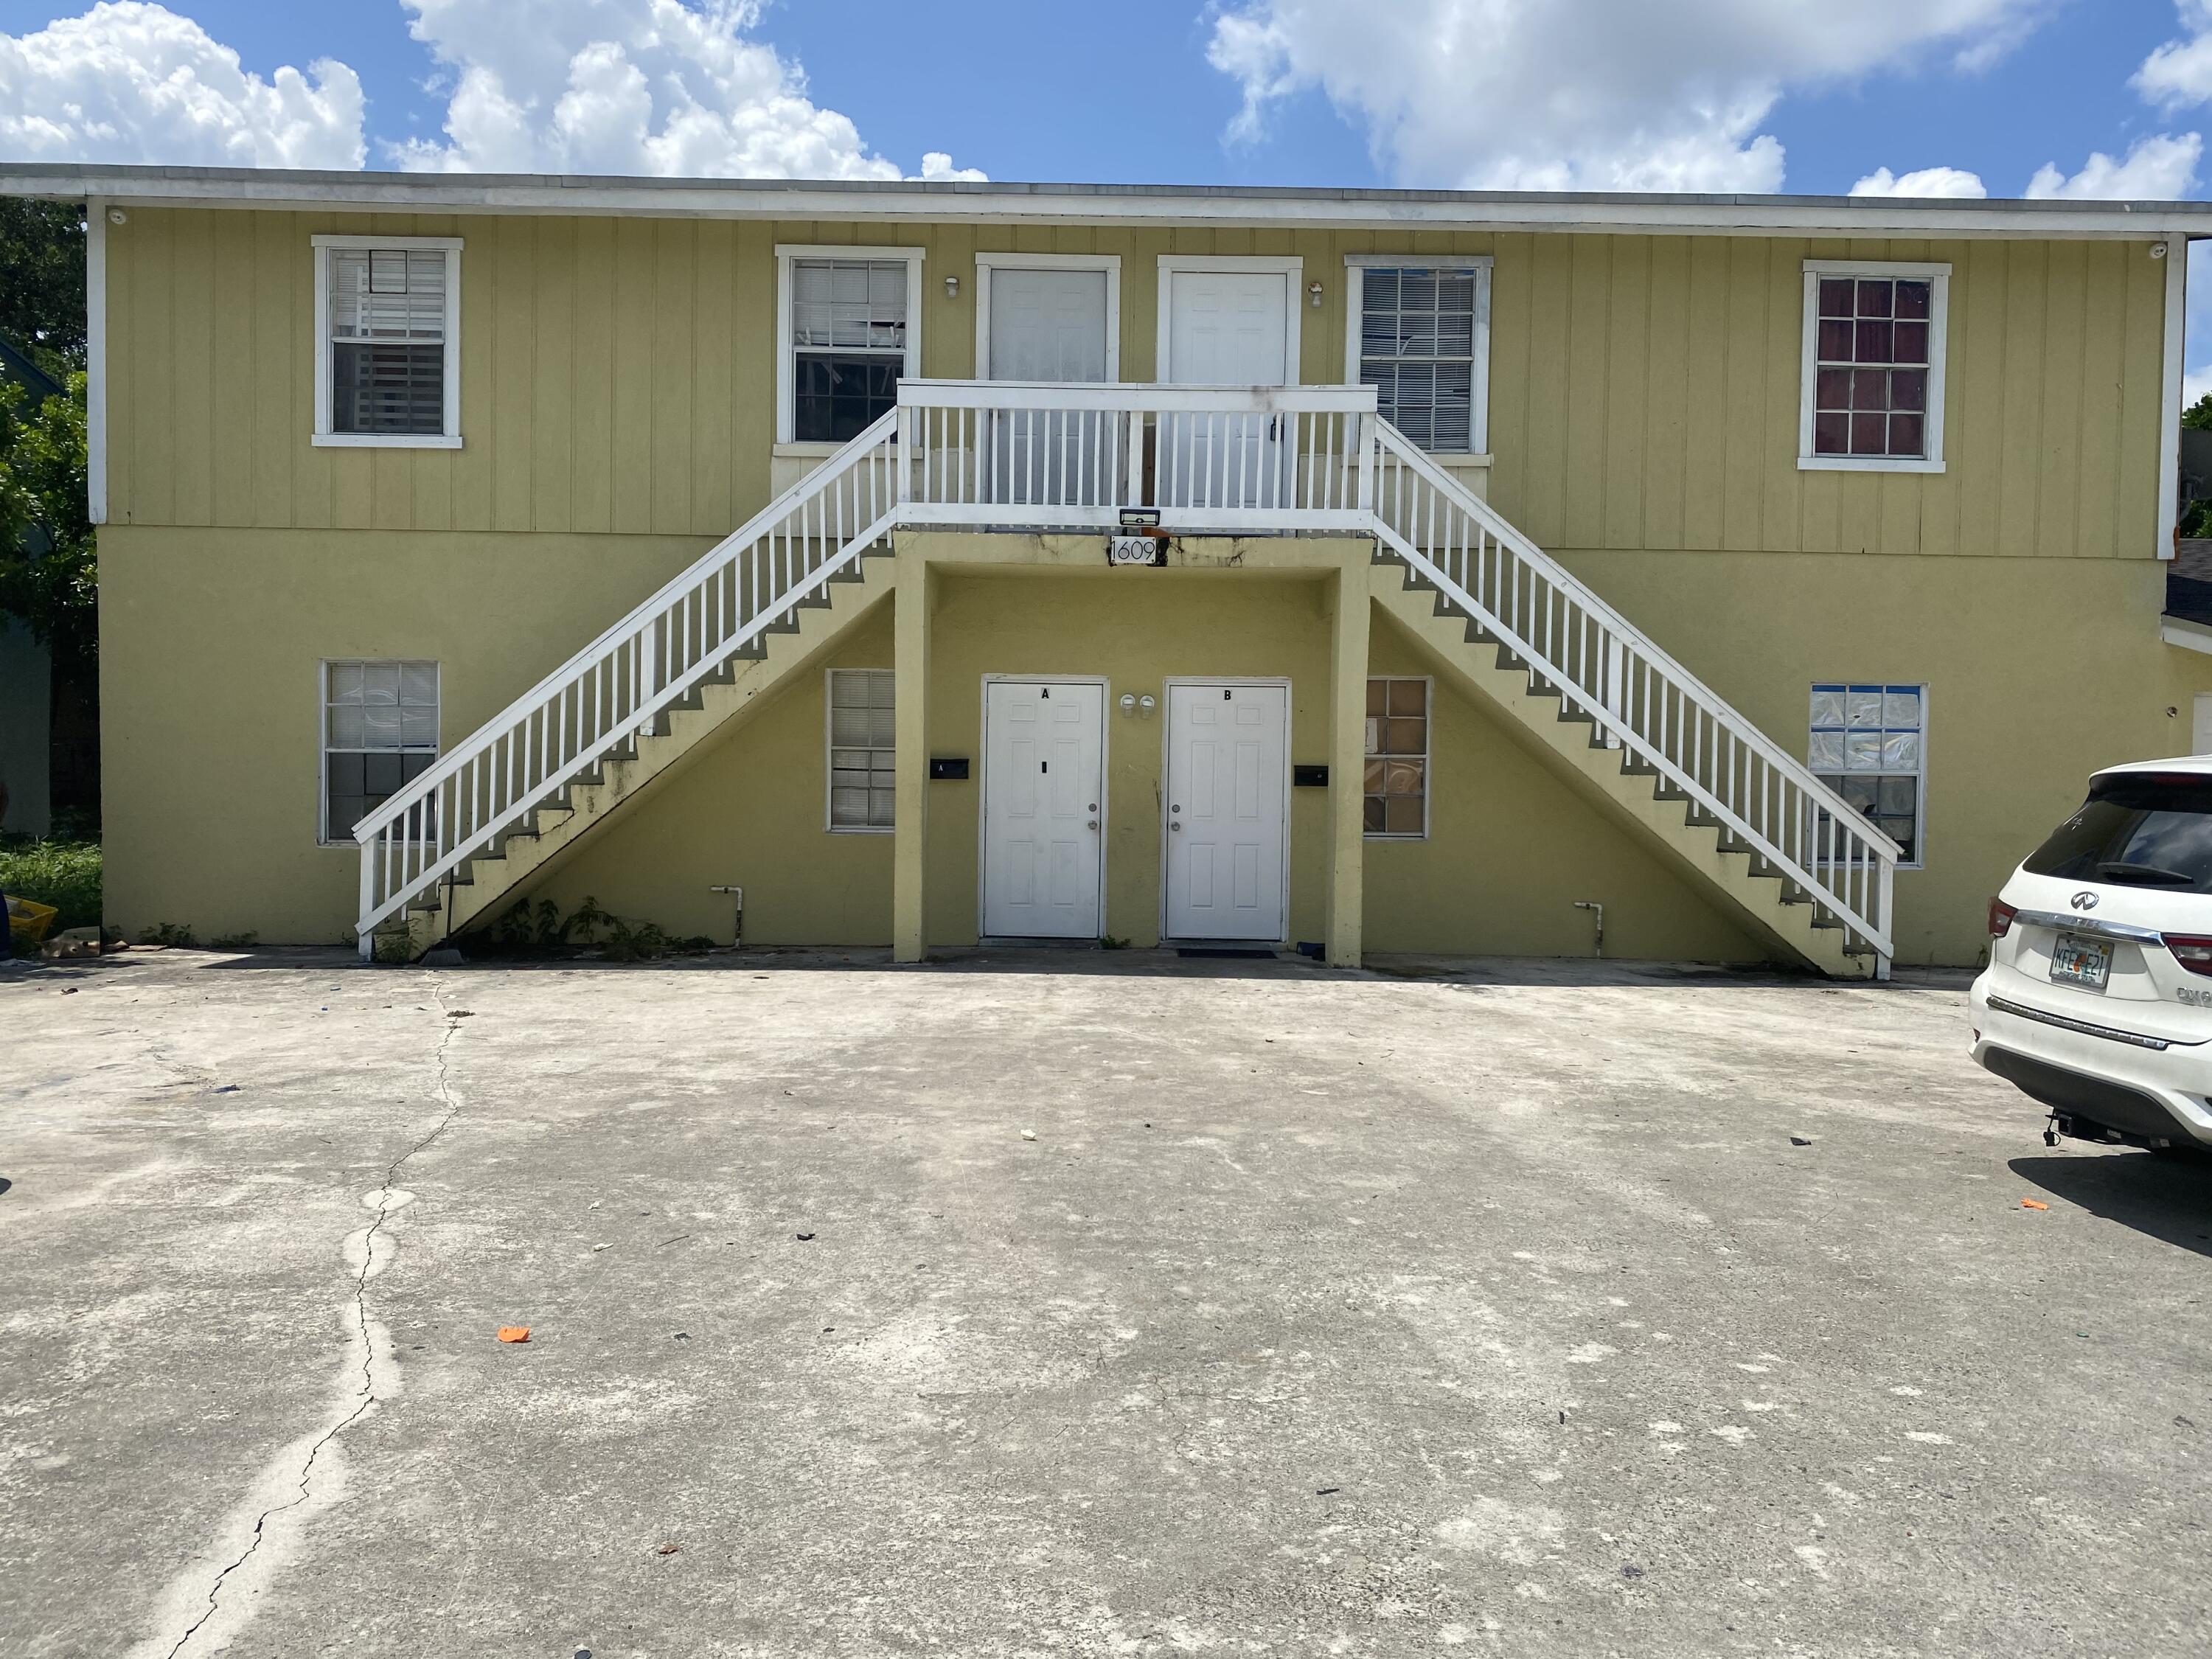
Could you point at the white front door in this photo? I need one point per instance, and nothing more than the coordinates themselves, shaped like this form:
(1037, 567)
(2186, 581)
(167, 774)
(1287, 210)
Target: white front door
(1043, 834)
(1047, 325)
(1228, 811)
(1226, 328)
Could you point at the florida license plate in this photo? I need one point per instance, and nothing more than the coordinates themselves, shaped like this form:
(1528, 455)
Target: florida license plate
(2087, 962)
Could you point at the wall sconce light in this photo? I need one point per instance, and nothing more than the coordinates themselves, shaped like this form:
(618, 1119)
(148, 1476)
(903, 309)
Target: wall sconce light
(1312, 292)
(1145, 703)
(952, 287)
(1128, 703)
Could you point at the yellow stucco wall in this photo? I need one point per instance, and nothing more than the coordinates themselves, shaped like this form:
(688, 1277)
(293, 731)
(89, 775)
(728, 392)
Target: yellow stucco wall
(1510, 847)
(618, 375)
(2038, 671)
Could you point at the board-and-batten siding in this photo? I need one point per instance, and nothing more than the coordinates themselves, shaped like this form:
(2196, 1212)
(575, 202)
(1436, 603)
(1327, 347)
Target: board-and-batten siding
(618, 375)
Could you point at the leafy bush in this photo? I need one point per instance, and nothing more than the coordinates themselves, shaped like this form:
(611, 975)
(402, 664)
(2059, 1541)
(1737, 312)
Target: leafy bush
(63, 874)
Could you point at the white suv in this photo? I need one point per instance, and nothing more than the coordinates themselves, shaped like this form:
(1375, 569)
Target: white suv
(2098, 998)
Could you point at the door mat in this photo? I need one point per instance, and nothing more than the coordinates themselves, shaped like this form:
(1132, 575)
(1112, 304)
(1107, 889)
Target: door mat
(1224, 950)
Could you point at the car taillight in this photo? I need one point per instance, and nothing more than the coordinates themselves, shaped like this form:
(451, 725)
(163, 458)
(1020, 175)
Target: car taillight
(2001, 916)
(2193, 951)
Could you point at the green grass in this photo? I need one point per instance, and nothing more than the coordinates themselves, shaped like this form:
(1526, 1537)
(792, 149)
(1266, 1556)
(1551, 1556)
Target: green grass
(63, 874)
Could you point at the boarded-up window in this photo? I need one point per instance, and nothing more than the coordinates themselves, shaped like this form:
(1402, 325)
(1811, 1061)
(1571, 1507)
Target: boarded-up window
(862, 716)
(1397, 782)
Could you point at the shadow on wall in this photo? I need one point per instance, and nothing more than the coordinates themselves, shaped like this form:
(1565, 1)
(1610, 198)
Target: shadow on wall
(2168, 1198)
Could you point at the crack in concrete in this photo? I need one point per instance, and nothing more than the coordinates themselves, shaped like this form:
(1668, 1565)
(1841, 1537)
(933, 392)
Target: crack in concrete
(367, 1391)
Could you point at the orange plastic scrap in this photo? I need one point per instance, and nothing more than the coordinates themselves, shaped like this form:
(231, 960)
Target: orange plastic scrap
(514, 1333)
(2034, 1204)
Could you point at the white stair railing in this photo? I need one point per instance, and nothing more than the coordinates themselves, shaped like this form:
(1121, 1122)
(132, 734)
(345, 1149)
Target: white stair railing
(1766, 801)
(984, 454)
(595, 705)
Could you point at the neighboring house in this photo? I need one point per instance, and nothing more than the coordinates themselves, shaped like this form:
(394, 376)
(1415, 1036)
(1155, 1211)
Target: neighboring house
(1770, 572)
(27, 668)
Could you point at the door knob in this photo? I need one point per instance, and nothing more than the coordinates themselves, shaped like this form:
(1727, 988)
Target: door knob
(1174, 826)
(1094, 823)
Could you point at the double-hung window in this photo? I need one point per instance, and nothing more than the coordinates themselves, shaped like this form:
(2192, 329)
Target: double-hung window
(1397, 786)
(1870, 744)
(1871, 399)
(380, 733)
(1420, 334)
(850, 335)
(387, 362)
(862, 723)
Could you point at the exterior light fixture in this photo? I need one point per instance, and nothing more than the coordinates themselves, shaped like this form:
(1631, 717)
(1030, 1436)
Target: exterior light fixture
(952, 287)
(1128, 703)
(1145, 703)
(1312, 292)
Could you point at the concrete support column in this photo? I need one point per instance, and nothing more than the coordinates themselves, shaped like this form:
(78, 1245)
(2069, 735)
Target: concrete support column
(1347, 758)
(910, 836)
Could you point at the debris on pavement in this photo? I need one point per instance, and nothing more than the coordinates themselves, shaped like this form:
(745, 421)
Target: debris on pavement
(802, 1238)
(514, 1333)
(2034, 1204)
(667, 1549)
(1800, 1140)
(1028, 1135)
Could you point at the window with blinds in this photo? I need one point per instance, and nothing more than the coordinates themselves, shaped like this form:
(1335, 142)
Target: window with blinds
(1419, 344)
(388, 309)
(849, 335)
(380, 733)
(862, 784)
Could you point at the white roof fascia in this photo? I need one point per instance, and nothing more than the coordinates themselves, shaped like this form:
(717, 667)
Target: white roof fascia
(939, 202)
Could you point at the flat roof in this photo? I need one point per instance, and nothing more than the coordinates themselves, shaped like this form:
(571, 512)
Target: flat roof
(929, 201)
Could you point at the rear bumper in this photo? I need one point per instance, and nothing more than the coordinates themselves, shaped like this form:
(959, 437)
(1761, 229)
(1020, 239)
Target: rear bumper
(2147, 1094)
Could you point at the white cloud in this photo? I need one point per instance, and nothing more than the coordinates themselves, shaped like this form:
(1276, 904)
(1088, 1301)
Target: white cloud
(133, 83)
(583, 86)
(1926, 181)
(2159, 168)
(630, 87)
(1592, 94)
(2179, 72)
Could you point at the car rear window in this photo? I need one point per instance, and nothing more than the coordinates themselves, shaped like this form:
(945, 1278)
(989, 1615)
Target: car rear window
(2142, 830)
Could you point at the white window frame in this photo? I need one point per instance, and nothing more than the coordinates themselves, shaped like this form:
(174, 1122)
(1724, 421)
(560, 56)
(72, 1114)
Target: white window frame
(324, 436)
(1108, 263)
(1919, 860)
(1290, 266)
(344, 838)
(830, 745)
(1428, 761)
(1477, 265)
(785, 378)
(1938, 277)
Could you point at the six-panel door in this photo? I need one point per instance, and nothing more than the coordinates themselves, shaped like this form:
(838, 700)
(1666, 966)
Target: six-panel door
(1228, 809)
(1043, 834)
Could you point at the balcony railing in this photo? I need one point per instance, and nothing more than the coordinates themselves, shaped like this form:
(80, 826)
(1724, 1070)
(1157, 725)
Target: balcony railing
(1047, 455)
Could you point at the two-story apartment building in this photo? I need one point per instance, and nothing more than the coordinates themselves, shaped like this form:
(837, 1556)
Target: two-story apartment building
(937, 563)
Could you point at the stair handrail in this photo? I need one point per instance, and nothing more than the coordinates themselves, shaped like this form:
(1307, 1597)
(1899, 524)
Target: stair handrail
(620, 684)
(1874, 854)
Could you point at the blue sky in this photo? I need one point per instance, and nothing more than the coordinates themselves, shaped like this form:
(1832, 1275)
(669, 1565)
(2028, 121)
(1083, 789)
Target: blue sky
(1024, 90)
(1997, 97)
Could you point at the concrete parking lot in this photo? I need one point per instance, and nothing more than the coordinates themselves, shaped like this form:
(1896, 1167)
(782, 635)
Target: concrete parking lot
(1453, 1307)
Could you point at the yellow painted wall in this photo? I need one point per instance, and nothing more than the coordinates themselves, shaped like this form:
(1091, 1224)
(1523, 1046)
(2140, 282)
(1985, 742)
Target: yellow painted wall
(752, 812)
(618, 401)
(210, 648)
(618, 375)
(1511, 848)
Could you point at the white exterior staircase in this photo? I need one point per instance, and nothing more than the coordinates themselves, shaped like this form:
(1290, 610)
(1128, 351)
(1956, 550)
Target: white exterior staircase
(1638, 734)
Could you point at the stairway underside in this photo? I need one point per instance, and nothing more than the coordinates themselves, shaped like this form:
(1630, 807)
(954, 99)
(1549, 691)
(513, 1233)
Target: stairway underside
(488, 882)
(1734, 877)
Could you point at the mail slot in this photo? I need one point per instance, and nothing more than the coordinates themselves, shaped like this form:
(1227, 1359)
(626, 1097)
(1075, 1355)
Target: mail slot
(948, 766)
(1309, 777)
